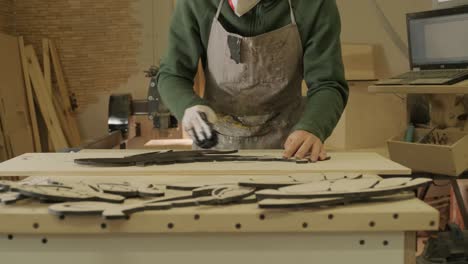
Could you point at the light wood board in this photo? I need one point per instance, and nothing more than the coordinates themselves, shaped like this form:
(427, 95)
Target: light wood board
(182, 144)
(30, 97)
(359, 61)
(62, 98)
(14, 109)
(45, 102)
(46, 64)
(412, 215)
(459, 88)
(62, 164)
(369, 120)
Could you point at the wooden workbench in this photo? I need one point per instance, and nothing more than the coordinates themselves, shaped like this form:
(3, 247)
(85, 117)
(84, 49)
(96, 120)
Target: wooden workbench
(382, 232)
(363, 233)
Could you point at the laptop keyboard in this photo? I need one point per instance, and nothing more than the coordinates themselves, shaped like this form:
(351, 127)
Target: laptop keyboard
(432, 74)
(428, 77)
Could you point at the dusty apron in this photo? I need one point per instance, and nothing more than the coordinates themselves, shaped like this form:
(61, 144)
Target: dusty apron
(254, 85)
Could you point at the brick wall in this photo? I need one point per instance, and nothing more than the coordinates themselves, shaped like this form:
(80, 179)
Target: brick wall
(98, 41)
(6, 16)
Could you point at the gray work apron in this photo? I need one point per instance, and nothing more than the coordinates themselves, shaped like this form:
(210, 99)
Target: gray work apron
(254, 85)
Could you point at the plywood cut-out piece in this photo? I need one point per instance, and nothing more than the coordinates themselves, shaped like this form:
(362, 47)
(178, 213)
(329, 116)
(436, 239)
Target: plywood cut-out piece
(64, 98)
(151, 190)
(392, 182)
(57, 193)
(11, 197)
(65, 193)
(14, 111)
(79, 208)
(177, 157)
(110, 211)
(45, 101)
(327, 202)
(128, 190)
(192, 185)
(248, 200)
(227, 195)
(208, 190)
(279, 182)
(321, 186)
(353, 185)
(122, 212)
(30, 97)
(219, 196)
(301, 193)
(60, 193)
(189, 186)
(300, 203)
(268, 184)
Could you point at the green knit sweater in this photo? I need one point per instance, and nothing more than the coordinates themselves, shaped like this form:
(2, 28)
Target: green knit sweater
(319, 27)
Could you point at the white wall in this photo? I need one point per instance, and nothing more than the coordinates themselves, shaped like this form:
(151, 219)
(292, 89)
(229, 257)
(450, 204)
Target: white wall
(361, 24)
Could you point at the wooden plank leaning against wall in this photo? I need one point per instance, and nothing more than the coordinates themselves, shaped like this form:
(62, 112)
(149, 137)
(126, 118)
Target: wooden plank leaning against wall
(14, 112)
(29, 93)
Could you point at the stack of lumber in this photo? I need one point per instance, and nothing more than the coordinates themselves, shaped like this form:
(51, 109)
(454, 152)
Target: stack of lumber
(36, 112)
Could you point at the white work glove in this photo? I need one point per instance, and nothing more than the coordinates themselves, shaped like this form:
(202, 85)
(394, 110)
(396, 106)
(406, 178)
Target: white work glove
(194, 123)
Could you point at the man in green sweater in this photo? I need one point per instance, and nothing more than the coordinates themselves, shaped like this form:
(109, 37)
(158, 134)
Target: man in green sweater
(256, 53)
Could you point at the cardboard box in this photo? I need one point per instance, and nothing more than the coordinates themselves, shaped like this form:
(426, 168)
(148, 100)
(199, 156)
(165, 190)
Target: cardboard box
(450, 159)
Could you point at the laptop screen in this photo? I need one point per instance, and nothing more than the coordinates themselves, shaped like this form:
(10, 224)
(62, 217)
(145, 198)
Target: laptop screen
(439, 39)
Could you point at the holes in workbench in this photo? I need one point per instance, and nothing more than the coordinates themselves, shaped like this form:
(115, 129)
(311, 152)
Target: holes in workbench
(44, 240)
(10, 237)
(385, 243)
(262, 217)
(305, 225)
(371, 223)
(432, 223)
(238, 226)
(36, 225)
(396, 216)
(362, 242)
(170, 225)
(331, 216)
(196, 217)
(103, 225)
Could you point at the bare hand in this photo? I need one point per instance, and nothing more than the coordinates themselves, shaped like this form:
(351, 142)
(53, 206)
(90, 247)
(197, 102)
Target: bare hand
(302, 144)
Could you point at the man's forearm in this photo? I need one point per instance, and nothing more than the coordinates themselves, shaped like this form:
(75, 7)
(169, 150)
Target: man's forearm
(178, 94)
(322, 112)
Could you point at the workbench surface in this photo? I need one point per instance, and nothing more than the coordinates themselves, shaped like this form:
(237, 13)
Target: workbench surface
(62, 164)
(394, 214)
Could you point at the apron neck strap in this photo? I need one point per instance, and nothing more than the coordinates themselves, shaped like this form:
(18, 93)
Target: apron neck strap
(293, 17)
(219, 9)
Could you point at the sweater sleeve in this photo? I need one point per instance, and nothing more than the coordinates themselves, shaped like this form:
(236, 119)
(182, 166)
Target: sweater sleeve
(323, 71)
(179, 65)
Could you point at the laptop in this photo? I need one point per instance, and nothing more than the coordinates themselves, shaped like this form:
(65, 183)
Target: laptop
(438, 48)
